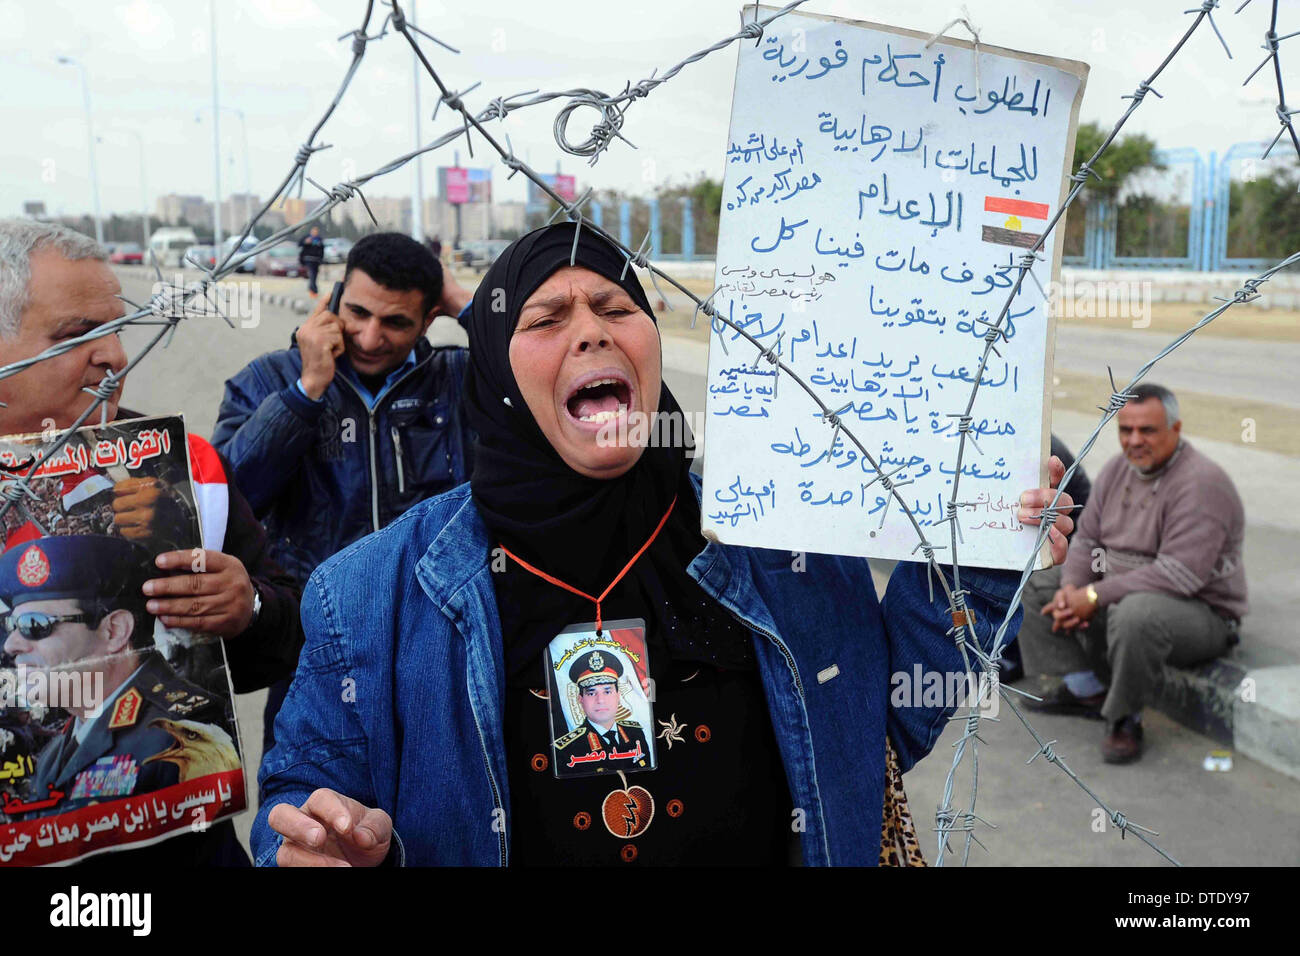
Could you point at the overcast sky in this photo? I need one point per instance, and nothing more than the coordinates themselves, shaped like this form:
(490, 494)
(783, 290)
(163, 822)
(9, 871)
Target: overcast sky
(279, 61)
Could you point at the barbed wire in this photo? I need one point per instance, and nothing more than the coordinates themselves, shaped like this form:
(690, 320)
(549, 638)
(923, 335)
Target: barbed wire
(171, 304)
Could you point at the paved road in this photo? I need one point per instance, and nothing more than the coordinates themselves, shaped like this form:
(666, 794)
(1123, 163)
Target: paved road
(1242, 368)
(1247, 816)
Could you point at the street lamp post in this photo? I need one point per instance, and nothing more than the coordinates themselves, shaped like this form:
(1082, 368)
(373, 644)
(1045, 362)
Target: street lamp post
(144, 193)
(216, 134)
(90, 144)
(417, 207)
(248, 180)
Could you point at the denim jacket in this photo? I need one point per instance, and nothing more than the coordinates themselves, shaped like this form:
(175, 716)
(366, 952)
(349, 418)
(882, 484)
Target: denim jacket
(322, 474)
(398, 697)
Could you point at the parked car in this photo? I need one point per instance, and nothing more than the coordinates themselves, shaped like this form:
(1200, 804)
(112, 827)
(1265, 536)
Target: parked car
(126, 254)
(479, 254)
(337, 249)
(249, 244)
(200, 256)
(281, 260)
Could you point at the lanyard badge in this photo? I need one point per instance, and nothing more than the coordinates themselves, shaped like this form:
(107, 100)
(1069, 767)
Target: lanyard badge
(599, 699)
(599, 685)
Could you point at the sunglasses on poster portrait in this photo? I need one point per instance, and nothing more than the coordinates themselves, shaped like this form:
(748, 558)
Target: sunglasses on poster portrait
(36, 625)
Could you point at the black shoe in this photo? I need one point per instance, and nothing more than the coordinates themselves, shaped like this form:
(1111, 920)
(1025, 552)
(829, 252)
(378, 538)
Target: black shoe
(1010, 667)
(1123, 743)
(1060, 700)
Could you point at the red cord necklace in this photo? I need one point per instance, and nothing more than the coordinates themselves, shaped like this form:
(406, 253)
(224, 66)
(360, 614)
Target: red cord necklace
(604, 594)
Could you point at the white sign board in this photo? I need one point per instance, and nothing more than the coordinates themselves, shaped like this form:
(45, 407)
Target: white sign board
(875, 206)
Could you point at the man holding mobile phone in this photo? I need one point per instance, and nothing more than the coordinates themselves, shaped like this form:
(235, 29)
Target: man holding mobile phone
(359, 419)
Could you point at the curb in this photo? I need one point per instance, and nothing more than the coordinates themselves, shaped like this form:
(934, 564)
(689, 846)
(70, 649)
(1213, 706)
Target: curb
(1212, 699)
(300, 306)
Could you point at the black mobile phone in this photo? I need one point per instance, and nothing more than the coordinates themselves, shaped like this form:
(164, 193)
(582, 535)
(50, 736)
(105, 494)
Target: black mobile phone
(336, 298)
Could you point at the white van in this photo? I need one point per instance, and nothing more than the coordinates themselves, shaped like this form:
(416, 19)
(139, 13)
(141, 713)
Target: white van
(168, 246)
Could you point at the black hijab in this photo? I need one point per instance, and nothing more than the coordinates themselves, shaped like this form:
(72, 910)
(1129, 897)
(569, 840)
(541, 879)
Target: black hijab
(578, 529)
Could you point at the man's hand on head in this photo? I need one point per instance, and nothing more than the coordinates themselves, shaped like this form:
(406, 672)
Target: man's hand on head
(215, 598)
(330, 829)
(454, 296)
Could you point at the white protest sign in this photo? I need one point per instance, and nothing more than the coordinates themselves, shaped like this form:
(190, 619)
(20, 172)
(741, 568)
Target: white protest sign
(874, 209)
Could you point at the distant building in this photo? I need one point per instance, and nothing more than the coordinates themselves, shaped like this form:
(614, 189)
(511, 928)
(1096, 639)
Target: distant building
(176, 209)
(477, 220)
(36, 209)
(293, 211)
(393, 215)
(237, 210)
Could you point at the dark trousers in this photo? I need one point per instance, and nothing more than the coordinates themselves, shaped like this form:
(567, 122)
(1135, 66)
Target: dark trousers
(312, 269)
(1125, 643)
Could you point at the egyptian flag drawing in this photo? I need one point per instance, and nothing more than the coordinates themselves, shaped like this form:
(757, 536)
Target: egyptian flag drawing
(77, 489)
(1010, 215)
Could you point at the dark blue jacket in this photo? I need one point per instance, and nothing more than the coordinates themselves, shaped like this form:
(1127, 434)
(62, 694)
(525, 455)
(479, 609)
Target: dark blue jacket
(320, 475)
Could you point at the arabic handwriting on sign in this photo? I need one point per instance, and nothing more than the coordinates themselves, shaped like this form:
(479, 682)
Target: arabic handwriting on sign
(758, 150)
(786, 232)
(775, 54)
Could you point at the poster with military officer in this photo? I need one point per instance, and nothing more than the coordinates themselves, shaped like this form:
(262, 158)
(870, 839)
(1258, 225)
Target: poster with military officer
(116, 730)
(600, 699)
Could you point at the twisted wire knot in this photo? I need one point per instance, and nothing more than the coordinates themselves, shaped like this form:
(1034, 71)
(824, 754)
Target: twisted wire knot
(752, 30)
(358, 43)
(496, 109)
(1117, 401)
(1046, 752)
(1140, 93)
(14, 491)
(105, 389)
(641, 89)
(1085, 170)
(305, 151)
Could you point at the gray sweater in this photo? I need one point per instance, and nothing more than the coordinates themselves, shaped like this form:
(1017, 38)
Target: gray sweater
(1178, 532)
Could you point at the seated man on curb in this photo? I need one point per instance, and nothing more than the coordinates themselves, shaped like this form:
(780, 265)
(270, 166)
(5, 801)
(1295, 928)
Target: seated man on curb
(1154, 576)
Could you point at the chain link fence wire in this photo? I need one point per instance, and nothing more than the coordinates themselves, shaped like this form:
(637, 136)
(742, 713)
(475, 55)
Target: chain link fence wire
(172, 303)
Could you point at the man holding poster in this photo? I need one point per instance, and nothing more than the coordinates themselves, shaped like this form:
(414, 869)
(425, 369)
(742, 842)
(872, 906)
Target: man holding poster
(57, 285)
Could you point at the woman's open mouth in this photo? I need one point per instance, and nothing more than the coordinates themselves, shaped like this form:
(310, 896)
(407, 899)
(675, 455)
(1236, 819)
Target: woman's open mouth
(599, 397)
